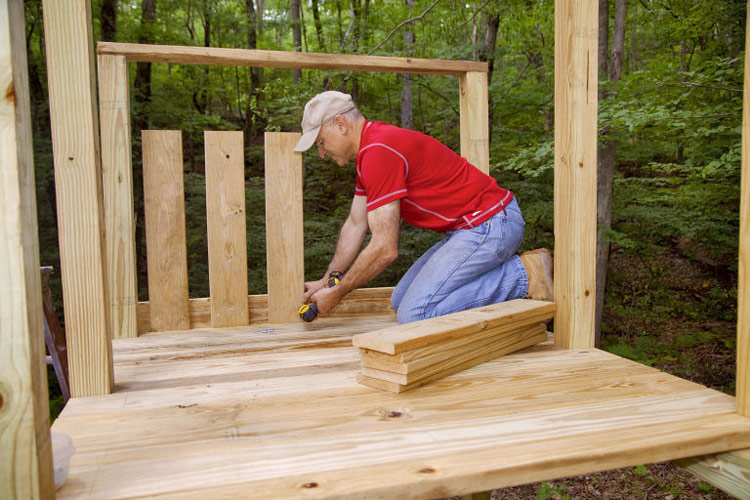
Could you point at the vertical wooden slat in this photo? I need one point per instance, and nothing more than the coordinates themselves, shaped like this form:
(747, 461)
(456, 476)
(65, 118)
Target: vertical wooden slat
(75, 141)
(25, 455)
(474, 121)
(166, 250)
(225, 215)
(576, 39)
(743, 284)
(117, 192)
(284, 239)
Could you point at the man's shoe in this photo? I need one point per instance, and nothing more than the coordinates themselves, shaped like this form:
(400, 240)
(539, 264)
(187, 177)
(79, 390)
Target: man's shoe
(539, 266)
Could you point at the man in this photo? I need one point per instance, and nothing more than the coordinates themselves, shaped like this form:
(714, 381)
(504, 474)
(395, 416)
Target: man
(405, 174)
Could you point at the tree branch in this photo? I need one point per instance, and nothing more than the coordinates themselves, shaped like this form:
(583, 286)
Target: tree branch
(402, 24)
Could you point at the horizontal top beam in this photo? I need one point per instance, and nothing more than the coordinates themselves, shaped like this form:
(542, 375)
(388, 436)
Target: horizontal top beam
(177, 54)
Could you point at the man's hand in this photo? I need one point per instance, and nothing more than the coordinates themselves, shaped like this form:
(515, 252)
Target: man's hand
(327, 298)
(311, 287)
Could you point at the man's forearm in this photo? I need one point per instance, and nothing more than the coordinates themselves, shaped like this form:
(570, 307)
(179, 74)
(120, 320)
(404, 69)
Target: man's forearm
(372, 261)
(349, 242)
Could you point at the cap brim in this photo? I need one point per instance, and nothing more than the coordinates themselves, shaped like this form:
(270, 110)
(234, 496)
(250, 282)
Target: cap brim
(307, 140)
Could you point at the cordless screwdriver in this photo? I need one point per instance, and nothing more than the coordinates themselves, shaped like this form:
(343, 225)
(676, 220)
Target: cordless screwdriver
(309, 312)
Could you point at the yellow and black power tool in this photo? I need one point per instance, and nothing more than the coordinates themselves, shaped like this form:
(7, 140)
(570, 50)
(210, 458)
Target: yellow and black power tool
(309, 312)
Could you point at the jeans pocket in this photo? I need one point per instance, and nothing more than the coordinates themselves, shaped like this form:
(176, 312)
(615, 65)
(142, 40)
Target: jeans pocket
(509, 237)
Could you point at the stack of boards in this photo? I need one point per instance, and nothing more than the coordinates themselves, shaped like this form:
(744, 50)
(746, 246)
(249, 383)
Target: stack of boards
(402, 357)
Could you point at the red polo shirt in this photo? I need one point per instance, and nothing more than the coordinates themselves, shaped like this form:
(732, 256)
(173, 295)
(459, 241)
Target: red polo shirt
(438, 189)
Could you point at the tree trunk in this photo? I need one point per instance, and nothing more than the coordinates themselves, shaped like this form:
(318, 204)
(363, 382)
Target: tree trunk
(108, 20)
(318, 26)
(606, 165)
(603, 39)
(296, 36)
(252, 127)
(487, 54)
(407, 116)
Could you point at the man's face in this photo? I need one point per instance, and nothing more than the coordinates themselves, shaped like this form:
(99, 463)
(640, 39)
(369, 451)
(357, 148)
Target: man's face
(331, 143)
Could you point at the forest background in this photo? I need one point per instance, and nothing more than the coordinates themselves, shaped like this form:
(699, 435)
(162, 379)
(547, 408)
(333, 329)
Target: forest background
(670, 87)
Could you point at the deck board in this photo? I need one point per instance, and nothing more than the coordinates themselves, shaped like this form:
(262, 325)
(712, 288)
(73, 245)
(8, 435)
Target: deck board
(263, 411)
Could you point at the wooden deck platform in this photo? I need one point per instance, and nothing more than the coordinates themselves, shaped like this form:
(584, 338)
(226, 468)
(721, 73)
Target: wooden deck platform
(276, 412)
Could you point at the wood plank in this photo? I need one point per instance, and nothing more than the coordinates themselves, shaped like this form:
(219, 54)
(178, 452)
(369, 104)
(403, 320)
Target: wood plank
(75, 143)
(728, 471)
(117, 193)
(166, 250)
(285, 245)
(226, 219)
(25, 452)
(474, 119)
(576, 38)
(284, 59)
(447, 351)
(743, 277)
(360, 302)
(513, 314)
(454, 365)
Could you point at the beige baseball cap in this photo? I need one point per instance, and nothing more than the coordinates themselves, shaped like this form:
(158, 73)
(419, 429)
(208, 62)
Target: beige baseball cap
(318, 110)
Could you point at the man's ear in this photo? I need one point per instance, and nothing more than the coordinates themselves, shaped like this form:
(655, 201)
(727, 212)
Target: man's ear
(341, 123)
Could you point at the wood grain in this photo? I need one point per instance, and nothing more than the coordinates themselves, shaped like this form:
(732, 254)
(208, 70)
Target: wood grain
(166, 251)
(286, 59)
(226, 219)
(743, 277)
(506, 316)
(576, 38)
(729, 471)
(474, 119)
(75, 145)
(285, 250)
(117, 194)
(25, 453)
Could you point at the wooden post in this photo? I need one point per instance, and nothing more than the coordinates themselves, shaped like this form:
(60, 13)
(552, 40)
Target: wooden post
(117, 180)
(166, 248)
(25, 453)
(743, 279)
(474, 122)
(576, 38)
(226, 220)
(75, 141)
(285, 253)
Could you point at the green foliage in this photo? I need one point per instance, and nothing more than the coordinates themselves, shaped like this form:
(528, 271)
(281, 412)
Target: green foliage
(640, 470)
(552, 492)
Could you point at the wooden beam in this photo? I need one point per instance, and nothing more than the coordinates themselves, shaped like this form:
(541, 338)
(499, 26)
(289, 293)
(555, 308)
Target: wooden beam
(576, 38)
(285, 59)
(361, 302)
(25, 452)
(117, 184)
(225, 215)
(75, 141)
(285, 251)
(474, 120)
(743, 279)
(729, 471)
(166, 250)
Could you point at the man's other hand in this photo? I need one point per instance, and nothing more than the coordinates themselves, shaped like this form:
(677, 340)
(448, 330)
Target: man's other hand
(327, 298)
(313, 286)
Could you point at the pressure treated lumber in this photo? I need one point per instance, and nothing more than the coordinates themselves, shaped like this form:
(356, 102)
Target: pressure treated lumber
(474, 119)
(743, 278)
(25, 454)
(75, 145)
(285, 245)
(514, 314)
(576, 39)
(285, 59)
(166, 250)
(728, 471)
(117, 194)
(263, 414)
(226, 220)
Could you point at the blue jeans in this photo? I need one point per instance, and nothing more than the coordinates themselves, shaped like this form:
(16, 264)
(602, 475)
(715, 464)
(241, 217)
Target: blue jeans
(466, 269)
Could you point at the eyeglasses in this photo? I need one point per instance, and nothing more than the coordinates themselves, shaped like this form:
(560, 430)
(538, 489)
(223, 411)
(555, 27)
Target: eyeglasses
(319, 142)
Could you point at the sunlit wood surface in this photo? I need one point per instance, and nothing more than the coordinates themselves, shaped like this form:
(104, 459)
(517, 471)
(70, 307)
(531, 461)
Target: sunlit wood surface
(274, 411)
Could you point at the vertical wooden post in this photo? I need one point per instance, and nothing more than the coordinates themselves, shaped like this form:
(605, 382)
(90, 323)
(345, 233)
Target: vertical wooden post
(227, 235)
(75, 141)
(474, 122)
(166, 247)
(576, 39)
(285, 253)
(743, 281)
(25, 453)
(117, 180)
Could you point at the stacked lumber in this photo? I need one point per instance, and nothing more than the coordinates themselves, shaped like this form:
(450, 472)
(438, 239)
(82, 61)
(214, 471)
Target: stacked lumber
(402, 357)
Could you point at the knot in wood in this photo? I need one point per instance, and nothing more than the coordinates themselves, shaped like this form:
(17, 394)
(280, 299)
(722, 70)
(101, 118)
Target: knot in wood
(310, 485)
(426, 470)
